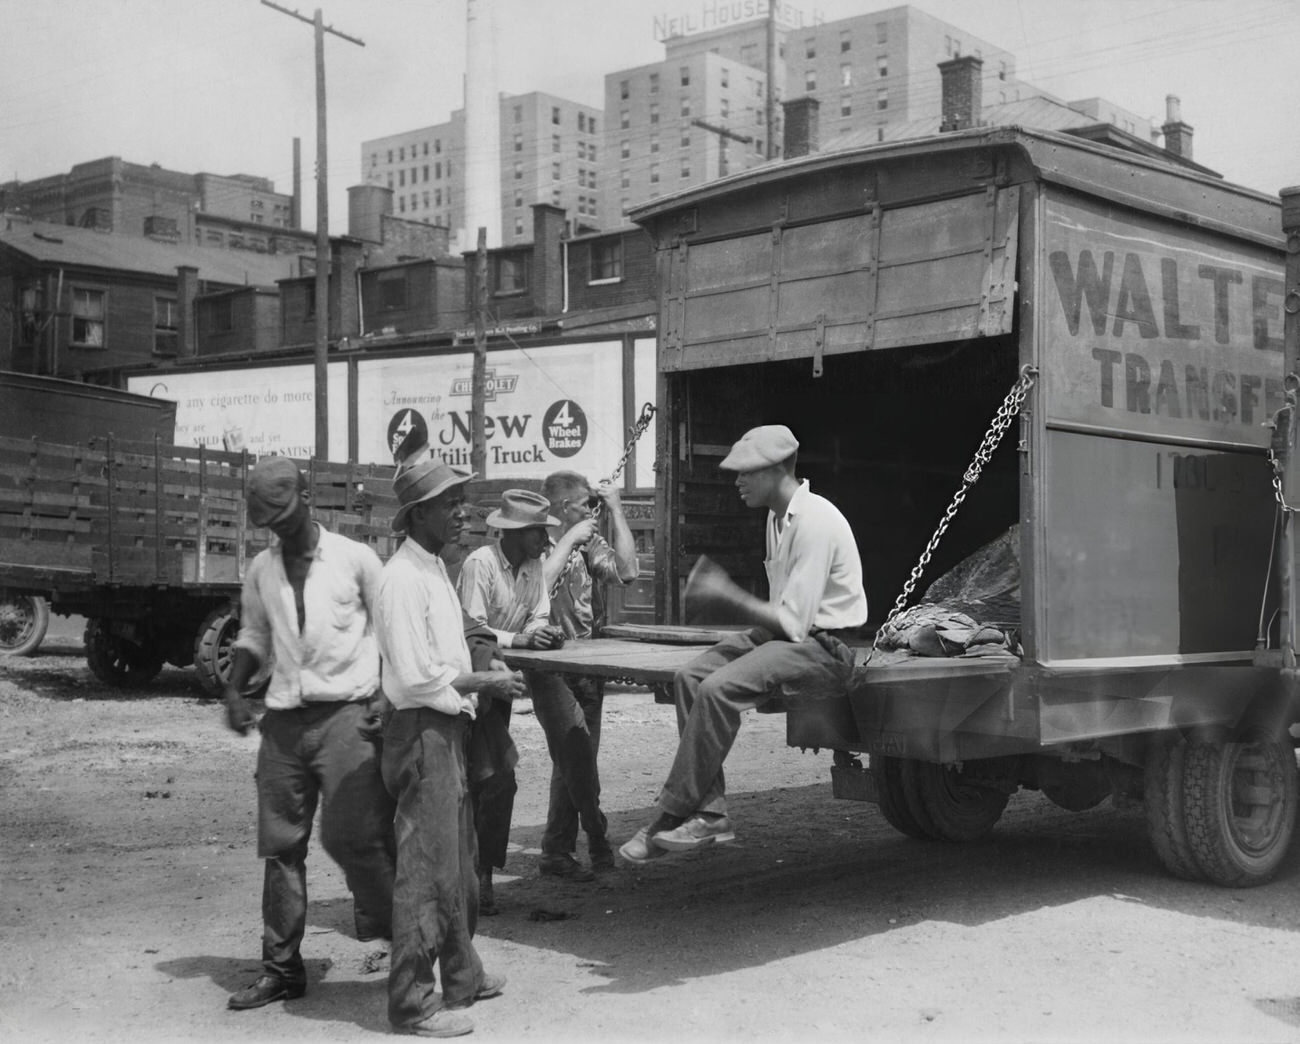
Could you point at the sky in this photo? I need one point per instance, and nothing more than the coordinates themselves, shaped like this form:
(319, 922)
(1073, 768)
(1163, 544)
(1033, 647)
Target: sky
(224, 86)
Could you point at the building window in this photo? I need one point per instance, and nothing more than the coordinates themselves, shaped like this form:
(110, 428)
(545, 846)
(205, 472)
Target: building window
(426, 172)
(623, 205)
(725, 78)
(686, 106)
(606, 260)
(956, 48)
(424, 198)
(882, 98)
(1002, 70)
(392, 290)
(624, 179)
(555, 143)
(624, 89)
(582, 150)
(401, 154)
(686, 168)
(810, 80)
(519, 198)
(947, 46)
(437, 171)
(555, 197)
(846, 43)
(625, 148)
(437, 197)
(686, 75)
(401, 204)
(555, 172)
(686, 139)
(88, 317)
(654, 83)
(582, 122)
(519, 171)
(390, 180)
(726, 108)
(882, 66)
(519, 114)
(654, 173)
(624, 120)
(880, 133)
(164, 326)
(555, 115)
(437, 146)
(519, 226)
(519, 144)
(654, 113)
(882, 32)
(591, 124)
(511, 275)
(401, 179)
(846, 76)
(390, 155)
(425, 150)
(654, 145)
(591, 153)
(810, 47)
(846, 105)
(758, 146)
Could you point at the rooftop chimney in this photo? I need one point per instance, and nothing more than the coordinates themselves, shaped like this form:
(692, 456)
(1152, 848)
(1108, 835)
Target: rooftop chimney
(1178, 135)
(963, 92)
(801, 126)
(548, 273)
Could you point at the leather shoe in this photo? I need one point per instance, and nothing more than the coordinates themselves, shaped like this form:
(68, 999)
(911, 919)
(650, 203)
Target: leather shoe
(490, 987)
(639, 851)
(602, 857)
(562, 864)
(442, 1023)
(266, 989)
(694, 833)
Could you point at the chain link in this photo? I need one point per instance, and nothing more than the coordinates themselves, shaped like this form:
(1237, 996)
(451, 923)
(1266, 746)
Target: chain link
(636, 431)
(1007, 412)
(1291, 384)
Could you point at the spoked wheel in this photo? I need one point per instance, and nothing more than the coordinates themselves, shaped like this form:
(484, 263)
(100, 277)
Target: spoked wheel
(118, 661)
(947, 806)
(23, 620)
(1239, 801)
(214, 654)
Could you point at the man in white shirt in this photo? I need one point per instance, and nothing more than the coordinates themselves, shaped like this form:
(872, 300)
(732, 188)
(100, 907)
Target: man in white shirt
(308, 603)
(794, 649)
(436, 693)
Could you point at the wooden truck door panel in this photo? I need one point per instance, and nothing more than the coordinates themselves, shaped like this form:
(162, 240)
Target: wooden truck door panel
(931, 272)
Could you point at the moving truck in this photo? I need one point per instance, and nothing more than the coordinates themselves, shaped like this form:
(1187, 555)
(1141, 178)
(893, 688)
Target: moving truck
(1119, 318)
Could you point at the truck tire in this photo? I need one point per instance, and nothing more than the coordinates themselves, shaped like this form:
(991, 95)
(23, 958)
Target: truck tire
(887, 773)
(1162, 791)
(23, 620)
(1239, 801)
(214, 655)
(117, 661)
(948, 807)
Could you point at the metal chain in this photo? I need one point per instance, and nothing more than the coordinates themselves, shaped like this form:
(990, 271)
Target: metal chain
(636, 431)
(1291, 383)
(1007, 412)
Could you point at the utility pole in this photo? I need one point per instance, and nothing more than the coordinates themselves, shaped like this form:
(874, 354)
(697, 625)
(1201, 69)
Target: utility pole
(770, 146)
(322, 294)
(478, 377)
(724, 135)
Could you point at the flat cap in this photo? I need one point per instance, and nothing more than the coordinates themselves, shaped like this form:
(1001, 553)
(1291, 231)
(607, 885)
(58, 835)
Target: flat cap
(275, 486)
(761, 447)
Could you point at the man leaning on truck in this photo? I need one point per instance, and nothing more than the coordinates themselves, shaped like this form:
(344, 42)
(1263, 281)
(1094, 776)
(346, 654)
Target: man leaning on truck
(794, 647)
(309, 602)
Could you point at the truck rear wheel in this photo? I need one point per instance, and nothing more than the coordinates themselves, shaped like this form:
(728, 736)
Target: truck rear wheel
(214, 655)
(948, 807)
(118, 661)
(1162, 792)
(1239, 801)
(887, 773)
(23, 620)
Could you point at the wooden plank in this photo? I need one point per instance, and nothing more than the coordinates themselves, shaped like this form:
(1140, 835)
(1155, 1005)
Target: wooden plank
(672, 634)
(645, 663)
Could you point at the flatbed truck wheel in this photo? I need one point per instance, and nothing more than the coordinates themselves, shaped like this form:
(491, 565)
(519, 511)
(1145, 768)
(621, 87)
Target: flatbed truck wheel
(948, 807)
(214, 654)
(23, 622)
(1162, 790)
(892, 802)
(1240, 805)
(117, 661)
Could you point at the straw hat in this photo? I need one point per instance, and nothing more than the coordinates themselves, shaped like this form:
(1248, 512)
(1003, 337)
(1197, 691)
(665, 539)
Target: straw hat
(423, 481)
(521, 508)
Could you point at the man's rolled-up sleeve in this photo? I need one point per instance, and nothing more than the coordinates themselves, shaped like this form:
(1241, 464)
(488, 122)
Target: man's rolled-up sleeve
(411, 659)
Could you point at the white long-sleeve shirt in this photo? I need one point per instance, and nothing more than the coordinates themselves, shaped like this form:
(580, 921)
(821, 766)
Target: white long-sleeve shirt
(334, 657)
(814, 572)
(421, 633)
(490, 590)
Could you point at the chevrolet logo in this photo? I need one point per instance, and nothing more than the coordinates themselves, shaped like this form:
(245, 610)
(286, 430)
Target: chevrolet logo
(505, 384)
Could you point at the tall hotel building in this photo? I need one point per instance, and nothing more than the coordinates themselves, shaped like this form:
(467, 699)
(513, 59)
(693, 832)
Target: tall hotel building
(871, 71)
(551, 151)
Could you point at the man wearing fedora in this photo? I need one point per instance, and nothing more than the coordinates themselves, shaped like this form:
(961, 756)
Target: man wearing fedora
(795, 646)
(502, 585)
(435, 692)
(307, 606)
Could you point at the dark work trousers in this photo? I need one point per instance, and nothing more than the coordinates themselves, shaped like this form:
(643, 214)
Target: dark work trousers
(492, 785)
(736, 675)
(435, 898)
(568, 708)
(320, 752)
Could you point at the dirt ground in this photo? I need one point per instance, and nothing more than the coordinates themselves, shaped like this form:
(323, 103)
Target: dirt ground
(130, 891)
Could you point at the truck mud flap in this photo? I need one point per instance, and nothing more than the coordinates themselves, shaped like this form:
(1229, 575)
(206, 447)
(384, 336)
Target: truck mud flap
(852, 782)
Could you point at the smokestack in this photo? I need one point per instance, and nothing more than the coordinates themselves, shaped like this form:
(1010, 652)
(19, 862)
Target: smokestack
(1178, 135)
(482, 169)
(801, 126)
(295, 206)
(963, 92)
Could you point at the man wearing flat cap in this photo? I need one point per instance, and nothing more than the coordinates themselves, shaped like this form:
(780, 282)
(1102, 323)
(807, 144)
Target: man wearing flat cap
(794, 648)
(306, 608)
(436, 693)
(502, 585)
